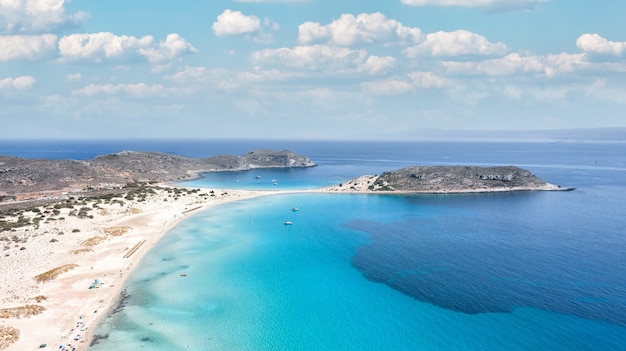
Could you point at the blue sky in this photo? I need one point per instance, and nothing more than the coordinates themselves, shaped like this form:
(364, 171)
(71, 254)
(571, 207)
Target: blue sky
(308, 69)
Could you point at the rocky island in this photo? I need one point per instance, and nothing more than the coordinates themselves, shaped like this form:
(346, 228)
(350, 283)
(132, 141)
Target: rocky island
(448, 179)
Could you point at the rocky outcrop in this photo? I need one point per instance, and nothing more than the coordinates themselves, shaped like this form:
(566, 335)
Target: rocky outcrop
(450, 179)
(21, 175)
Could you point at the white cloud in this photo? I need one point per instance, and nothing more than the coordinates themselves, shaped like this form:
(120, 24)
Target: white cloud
(36, 16)
(29, 47)
(511, 64)
(594, 43)
(492, 5)
(457, 43)
(96, 46)
(235, 23)
(362, 29)
(108, 46)
(133, 90)
(338, 60)
(378, 65)
(174, 46)
(19, 83)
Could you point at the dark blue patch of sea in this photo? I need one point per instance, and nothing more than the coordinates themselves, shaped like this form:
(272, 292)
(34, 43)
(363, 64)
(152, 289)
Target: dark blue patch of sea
(514, 271)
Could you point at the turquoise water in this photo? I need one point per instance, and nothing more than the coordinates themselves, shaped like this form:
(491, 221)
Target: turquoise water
(255, 284)
(516, 271)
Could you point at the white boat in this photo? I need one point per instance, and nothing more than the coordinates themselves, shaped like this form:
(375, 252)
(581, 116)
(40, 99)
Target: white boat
(274, 181)
(257, 176)
(294, 209)
(287, 222)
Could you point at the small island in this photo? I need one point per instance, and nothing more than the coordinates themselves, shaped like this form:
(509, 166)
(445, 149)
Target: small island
(448, 179)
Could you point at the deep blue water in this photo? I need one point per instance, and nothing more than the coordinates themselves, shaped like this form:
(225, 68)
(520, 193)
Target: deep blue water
(514, 271)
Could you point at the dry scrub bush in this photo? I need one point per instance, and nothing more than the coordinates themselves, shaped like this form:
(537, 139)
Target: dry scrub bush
(55, 272)
(93, 241)
(116, 231)
(22, 311)
(80, 251)
(8, 335)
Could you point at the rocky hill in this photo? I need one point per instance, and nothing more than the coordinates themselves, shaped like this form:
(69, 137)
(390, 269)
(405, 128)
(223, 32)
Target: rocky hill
(22, 175)
(449, 179)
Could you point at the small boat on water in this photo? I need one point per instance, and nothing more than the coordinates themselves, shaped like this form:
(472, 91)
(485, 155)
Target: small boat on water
(257, 176)
(274, 181)
(287, 222)
(295, 209)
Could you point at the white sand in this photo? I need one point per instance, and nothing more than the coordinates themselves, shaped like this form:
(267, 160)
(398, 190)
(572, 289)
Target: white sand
(68, 296)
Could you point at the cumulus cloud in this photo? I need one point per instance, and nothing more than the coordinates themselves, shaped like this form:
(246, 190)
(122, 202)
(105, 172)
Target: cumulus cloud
(19, 83)
(511, 64)
(594, 43)
(173, 47)
(378, 65)
(324, 58)
(491, 5)
(97, 46)
(457, 43)
(29, 47)
(36, 16)
(235, 23)
(362, 29)
(133, 90)
(103, 46)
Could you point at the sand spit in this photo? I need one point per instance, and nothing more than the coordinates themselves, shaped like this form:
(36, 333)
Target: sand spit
(62, 272)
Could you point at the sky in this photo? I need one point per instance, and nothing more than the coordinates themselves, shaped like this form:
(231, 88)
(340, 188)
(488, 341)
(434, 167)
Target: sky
(308, 69)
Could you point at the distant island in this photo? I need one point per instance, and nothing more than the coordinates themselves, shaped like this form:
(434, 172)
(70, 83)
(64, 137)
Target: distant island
(23, 178)
(448, 179)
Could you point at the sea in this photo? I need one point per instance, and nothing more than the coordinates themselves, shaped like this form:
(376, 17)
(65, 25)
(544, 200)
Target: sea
(489, 271)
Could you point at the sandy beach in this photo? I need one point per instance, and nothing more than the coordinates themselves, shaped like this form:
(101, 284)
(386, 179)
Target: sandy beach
(60, 277)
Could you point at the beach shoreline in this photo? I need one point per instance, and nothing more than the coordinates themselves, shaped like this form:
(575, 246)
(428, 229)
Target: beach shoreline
(97, 252)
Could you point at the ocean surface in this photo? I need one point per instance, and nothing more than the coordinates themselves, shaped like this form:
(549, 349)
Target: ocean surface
(510, 271)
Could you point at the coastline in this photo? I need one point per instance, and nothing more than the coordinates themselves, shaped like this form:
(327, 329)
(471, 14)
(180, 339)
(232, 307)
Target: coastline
(102, 250)
(74, 301)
